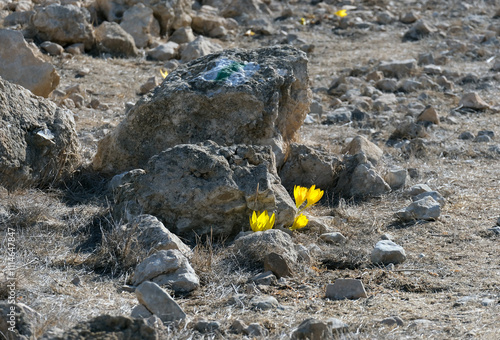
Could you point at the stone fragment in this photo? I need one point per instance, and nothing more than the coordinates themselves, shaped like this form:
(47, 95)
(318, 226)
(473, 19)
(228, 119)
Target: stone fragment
(429, 115)
(238, 326)
(387, 85)
(392, 321)
(167, 268)
(113, 39)
(252, 248)
(220, 97)
(399, 68)
(75, 49)
(472, 100)
(424, 209)
(266, 278)
(306, 166)
(418, 31)
(482, 139)
(204, 326)
(264, 302)
(386, 252)
(52, 48)
(346, 289)
(198, 48)
(109, 327)
(159, 302)
(334, 237)
(358, 179)
(246, 11)
(182, 35)
(64, 24)
(139, 22)
(38, 141)
(140, 312)
(466, 135)
(312, 329)
(409, 17)
(20, 66)
(207, 22)
(222, 184)
(385, 18)
(418, 189)
(164, 52)
(256, 330)
(361, 144)
(434, 194)
(277, 264)
(149, 85)
(396, 178)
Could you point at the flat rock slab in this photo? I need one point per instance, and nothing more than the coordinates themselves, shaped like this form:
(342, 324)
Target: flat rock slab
(159, 302)
(346, 289)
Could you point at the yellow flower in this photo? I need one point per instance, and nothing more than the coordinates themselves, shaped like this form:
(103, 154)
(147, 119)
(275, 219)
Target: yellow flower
(261, 222)
(249, 33)
(313, 195)
(300, 194)
(164, 74)
(303, 21)
(299, 222)
(341, 13)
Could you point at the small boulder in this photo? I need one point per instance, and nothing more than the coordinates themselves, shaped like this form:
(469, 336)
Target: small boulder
(361, 144)
(472, 100)
(398, 68)
(139, 22)
(346, 289)
(19, 65)
(113, 39)
(419, 30)
(434, 194)
(429, 115)
(164, 52)
(396, 177)
(204, 326)
(198, 48)
(64, 24)
(386, 252)
(334, 238)
(182, 35)
(38, 141)
(312, 329)
(424, 209)
(277, 264)
(264, 302)
(52, 48)
(159, 302)
(167, 268)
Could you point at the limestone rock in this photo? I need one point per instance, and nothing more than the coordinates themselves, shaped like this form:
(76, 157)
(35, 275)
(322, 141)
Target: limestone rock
(396, 177)
(264, 302)
(473, 101)
(220, 97)
(267, 278)
(52, 48)
(20, 66)
(424, 209)
(246, 10)
(204, 326)
(251, 248)
(164, 52)
(334, 237)
(113, 39)
(140, 23)
(429, 115)
(358, 179)
(386, 252)
(167, 268)
(419, 30)
(277, 264)
(106, 327)
(38, 141)
(399, 68)
(198, 48)
(182, 35)
(222, 184)
(346, 289)
(206, 21)
(418, 189)
(151, 235)
(306, 166)
(313, 329)
(159, 302)
(362, 144)
(434, 194)
(140, 312)
(64, 24)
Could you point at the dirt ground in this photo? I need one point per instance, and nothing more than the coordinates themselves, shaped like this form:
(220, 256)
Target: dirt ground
(451, 277)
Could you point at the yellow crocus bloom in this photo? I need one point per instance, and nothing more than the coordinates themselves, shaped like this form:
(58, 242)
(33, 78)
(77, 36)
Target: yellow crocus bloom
(300, 194)
(299, 222)
(313, 195)
(341, 13)
(261, 222)
(164, 74)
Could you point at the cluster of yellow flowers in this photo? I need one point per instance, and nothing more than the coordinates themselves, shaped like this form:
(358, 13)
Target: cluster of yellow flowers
(261, 221)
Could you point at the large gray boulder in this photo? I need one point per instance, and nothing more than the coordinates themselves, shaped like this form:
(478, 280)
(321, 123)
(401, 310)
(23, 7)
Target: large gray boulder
(206, 189)
(19, 65)
(64, 24)
(251, 97)
(38, 141)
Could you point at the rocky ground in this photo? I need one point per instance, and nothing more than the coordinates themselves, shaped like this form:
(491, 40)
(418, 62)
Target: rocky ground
(372, 73)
